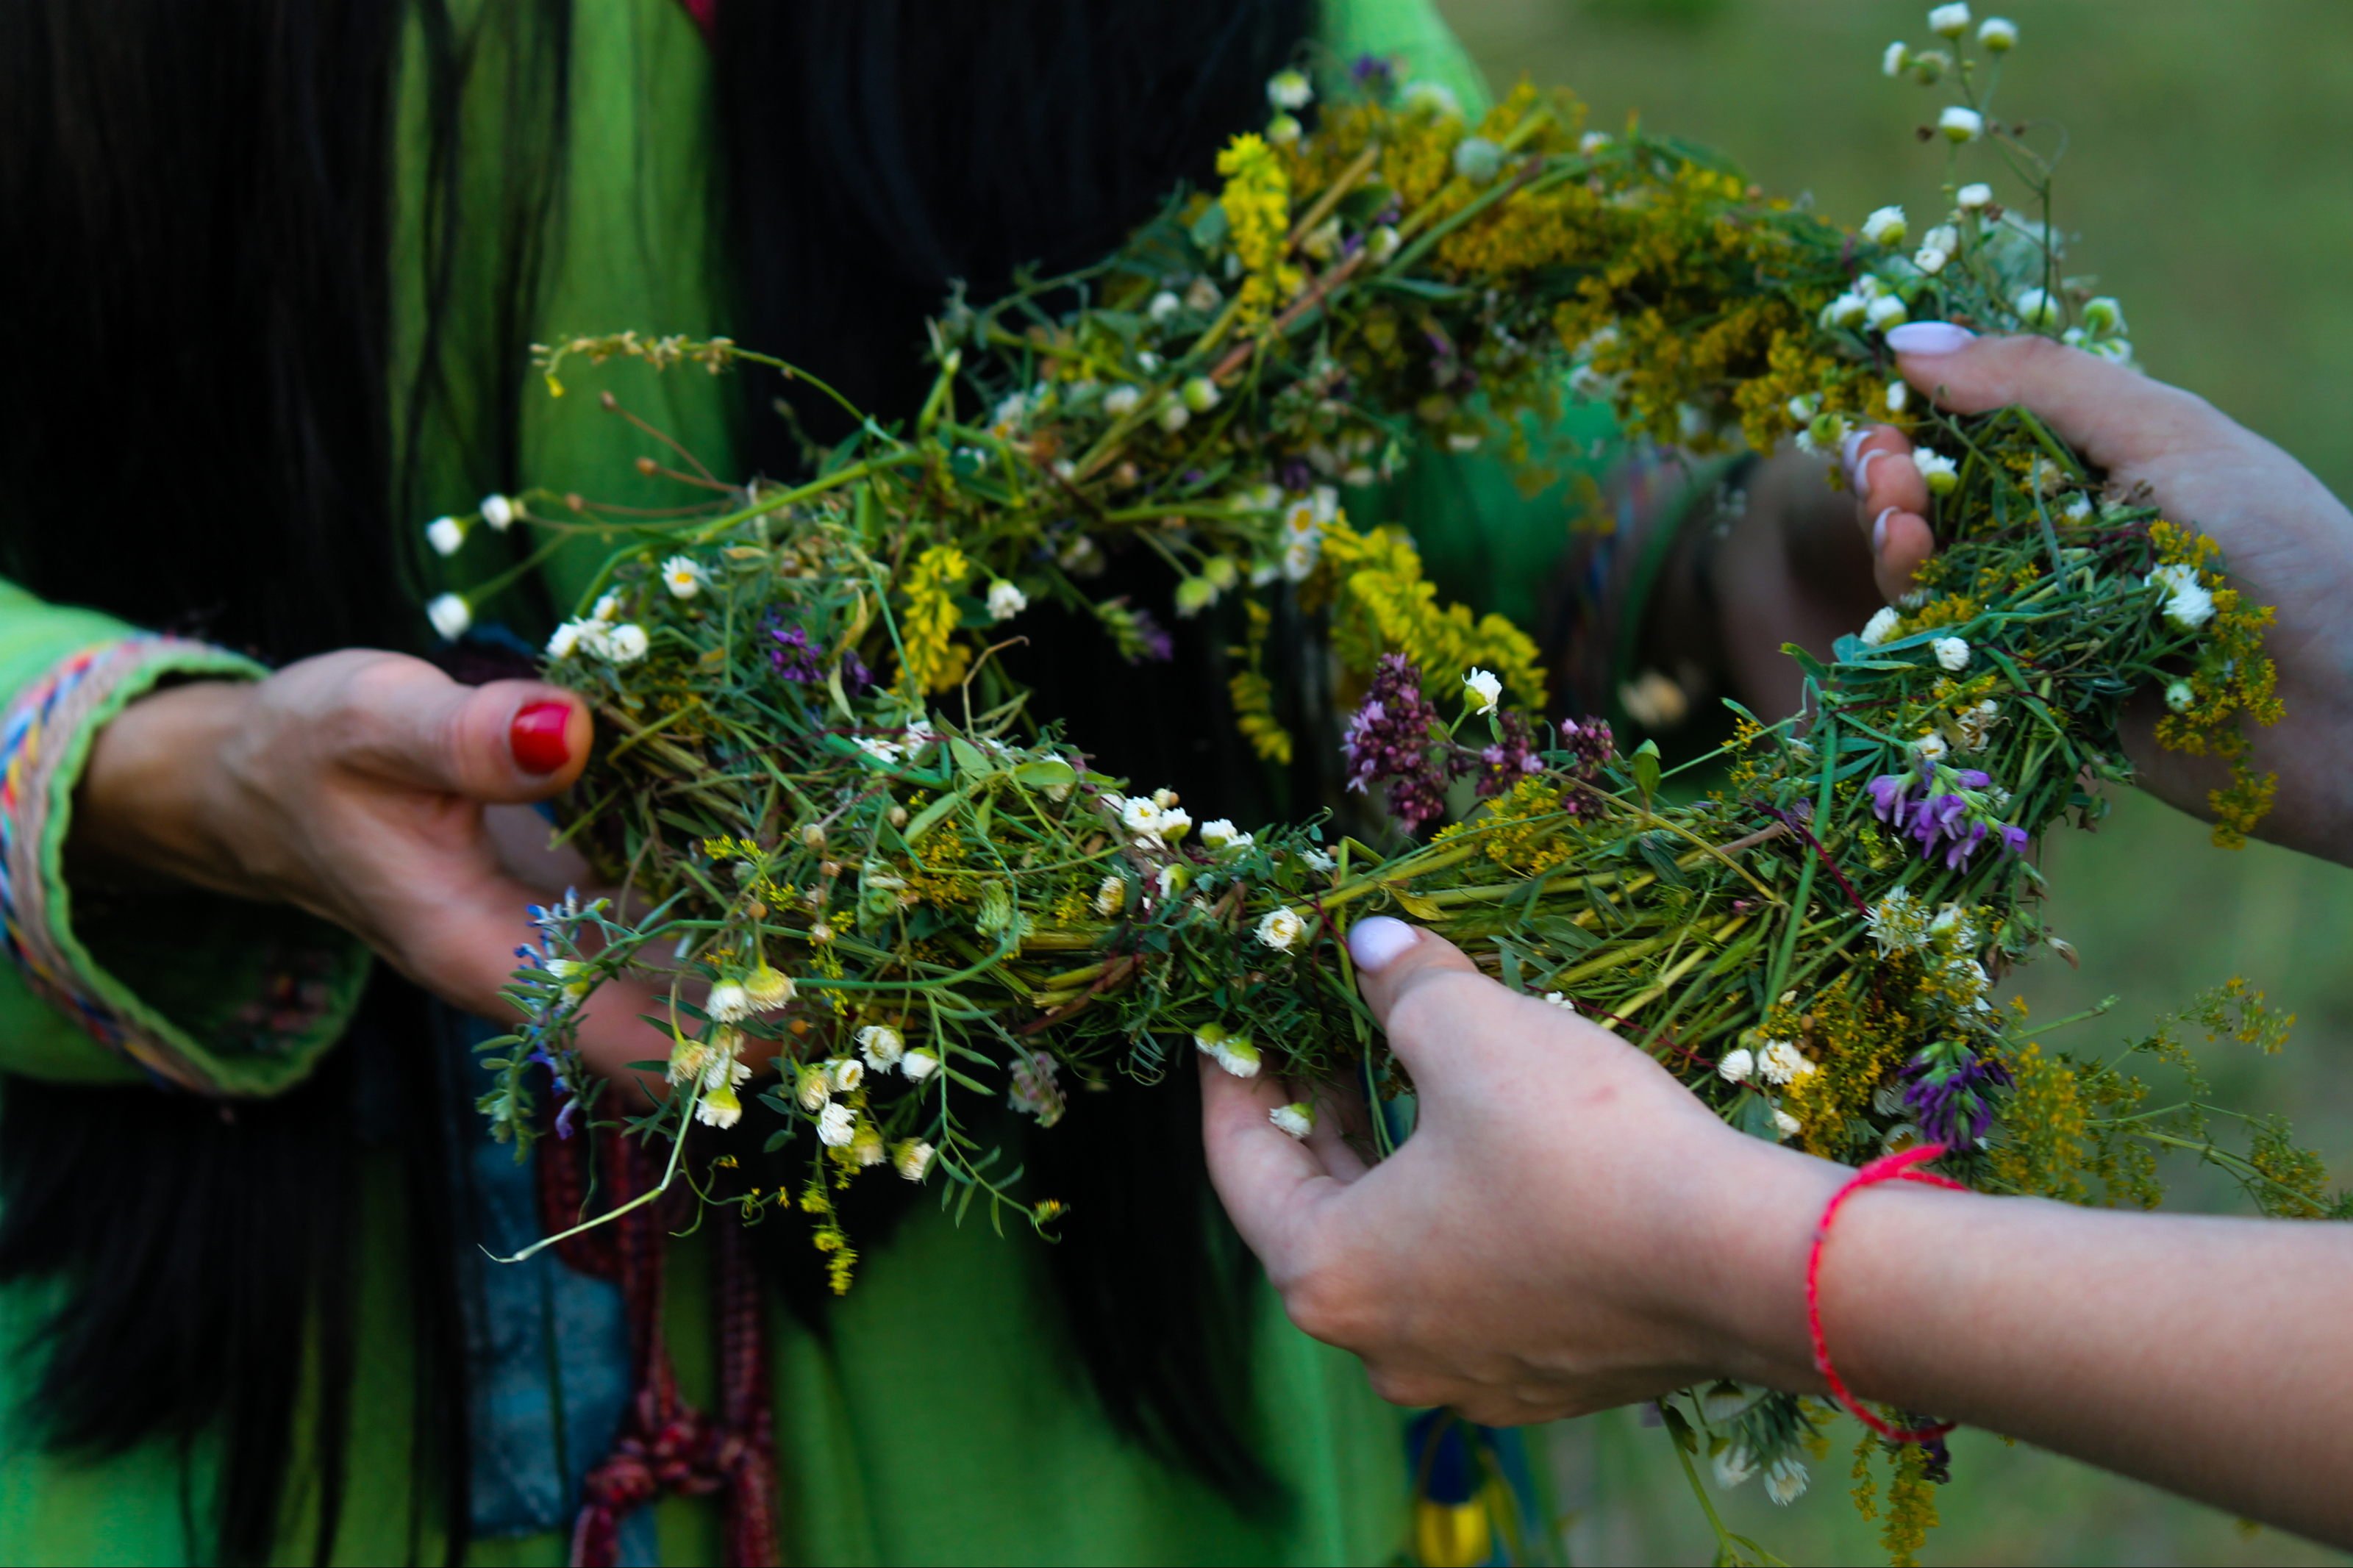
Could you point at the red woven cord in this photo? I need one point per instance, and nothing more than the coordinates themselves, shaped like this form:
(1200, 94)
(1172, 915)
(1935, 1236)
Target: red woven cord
(1888, 1168)
(666, 1445)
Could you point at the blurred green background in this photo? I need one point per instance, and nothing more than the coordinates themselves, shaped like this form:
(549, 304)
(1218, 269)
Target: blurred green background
(2206, 182)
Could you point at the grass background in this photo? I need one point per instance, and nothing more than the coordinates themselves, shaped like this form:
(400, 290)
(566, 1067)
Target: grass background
(2206, 178)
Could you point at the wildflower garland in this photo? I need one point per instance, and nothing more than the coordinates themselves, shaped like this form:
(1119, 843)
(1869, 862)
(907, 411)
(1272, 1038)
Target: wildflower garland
(846, 847)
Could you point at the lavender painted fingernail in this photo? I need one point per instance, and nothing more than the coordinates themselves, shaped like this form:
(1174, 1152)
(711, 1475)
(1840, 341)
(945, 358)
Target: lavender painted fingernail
(1373, 944)
(1878, 532)
(1846, 449)
(1928, 338)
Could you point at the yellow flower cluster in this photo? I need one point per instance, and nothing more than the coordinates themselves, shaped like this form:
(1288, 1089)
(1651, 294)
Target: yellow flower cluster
(1257, 201)
(930, 661)
(2233, 680)
(1521, 831)
(1383, 604)
(1253, 693)
(1854, 1039)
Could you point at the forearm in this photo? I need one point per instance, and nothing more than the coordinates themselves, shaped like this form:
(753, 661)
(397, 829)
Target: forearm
(2208, 1356)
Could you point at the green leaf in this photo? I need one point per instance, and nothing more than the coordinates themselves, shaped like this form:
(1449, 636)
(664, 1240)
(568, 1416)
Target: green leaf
(1209, 228)
(1645, 763)
(968, 760)
(1679, 1428)
(1052, 772)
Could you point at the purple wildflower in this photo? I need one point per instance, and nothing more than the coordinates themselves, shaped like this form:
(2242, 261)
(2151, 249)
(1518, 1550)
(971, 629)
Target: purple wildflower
(1376, 75)
(2013, 840)
(1590, 749)
(1888, 792)
(855, 676)
(1390, 739)
(792, 657)
(1950, 1101)
(1510, 759)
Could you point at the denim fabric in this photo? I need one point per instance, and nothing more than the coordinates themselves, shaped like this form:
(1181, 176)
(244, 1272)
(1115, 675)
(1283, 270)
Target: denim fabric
(550, 1351)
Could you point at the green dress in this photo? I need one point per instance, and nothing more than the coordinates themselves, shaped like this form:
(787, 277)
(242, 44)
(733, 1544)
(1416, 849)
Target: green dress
(945, 1419)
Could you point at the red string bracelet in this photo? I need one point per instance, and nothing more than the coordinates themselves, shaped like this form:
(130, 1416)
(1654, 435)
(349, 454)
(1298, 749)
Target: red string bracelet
(1888, 1168)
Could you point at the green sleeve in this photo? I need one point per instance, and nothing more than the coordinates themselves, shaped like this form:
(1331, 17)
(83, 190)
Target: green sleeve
(1411, 29)
(216, 995)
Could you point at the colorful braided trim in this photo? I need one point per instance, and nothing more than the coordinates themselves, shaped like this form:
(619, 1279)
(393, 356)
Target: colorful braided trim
(44, 739)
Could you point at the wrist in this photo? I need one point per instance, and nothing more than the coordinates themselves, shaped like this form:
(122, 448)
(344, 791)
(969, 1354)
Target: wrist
(140, 808)
(1744, 1299)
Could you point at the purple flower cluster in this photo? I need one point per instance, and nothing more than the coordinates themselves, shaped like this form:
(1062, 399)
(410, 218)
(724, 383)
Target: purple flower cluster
(1949, 1100)
(1389, 738)
(1511, 758)
(1134, 633)
(1590, 747)
(1946, 812)
(794, 659)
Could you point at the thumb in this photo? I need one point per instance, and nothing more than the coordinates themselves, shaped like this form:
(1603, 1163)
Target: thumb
(507, 741)
(1422, 989)
(2116, 417)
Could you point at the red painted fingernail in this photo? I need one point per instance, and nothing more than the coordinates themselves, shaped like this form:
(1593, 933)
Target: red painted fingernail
(536, 736)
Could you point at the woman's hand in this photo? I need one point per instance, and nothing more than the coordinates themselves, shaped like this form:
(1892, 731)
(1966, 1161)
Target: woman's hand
(358, 785)
(1567, 1229)
(2288, 541)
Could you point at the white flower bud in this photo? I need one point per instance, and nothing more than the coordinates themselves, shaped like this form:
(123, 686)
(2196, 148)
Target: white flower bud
(1847, 311)
(1950, 21)
(1173, 417)
(450, 617)
(681, 576)
(1383, 244)
(912, 1158)
(1881, 626)
(2179, 697)
(1222, 834)
(1289, 89)
(1230, 1052)
(1898, 394)
(626, 644)
(728, 1003)
(445, 535)
(1484, 690)
(2037, 309)
(1121, 401)
(1006, 601)
(844, 1074)
(1591, 142)
(1941, 474)
(919, 1065)
(835, 1126)
(498, 511)
(1886, 312)
(2103, 317)
(1953, 653)
(1163, 305)
(1972, 197)
(1478, 159)
(1278, 929)
(1200, 395)
(1960, 124)
(1298, 1117)
(1999, 35)
(1884, 227)
(1737, 1066)
(880, 1046)
(1893, 61)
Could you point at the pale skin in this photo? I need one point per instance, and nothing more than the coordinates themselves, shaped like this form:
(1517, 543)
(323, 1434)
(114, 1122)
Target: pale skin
(371, 790)
(1569, 1230)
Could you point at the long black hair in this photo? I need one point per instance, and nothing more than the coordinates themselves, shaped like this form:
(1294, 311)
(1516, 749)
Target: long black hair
(200, 399)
